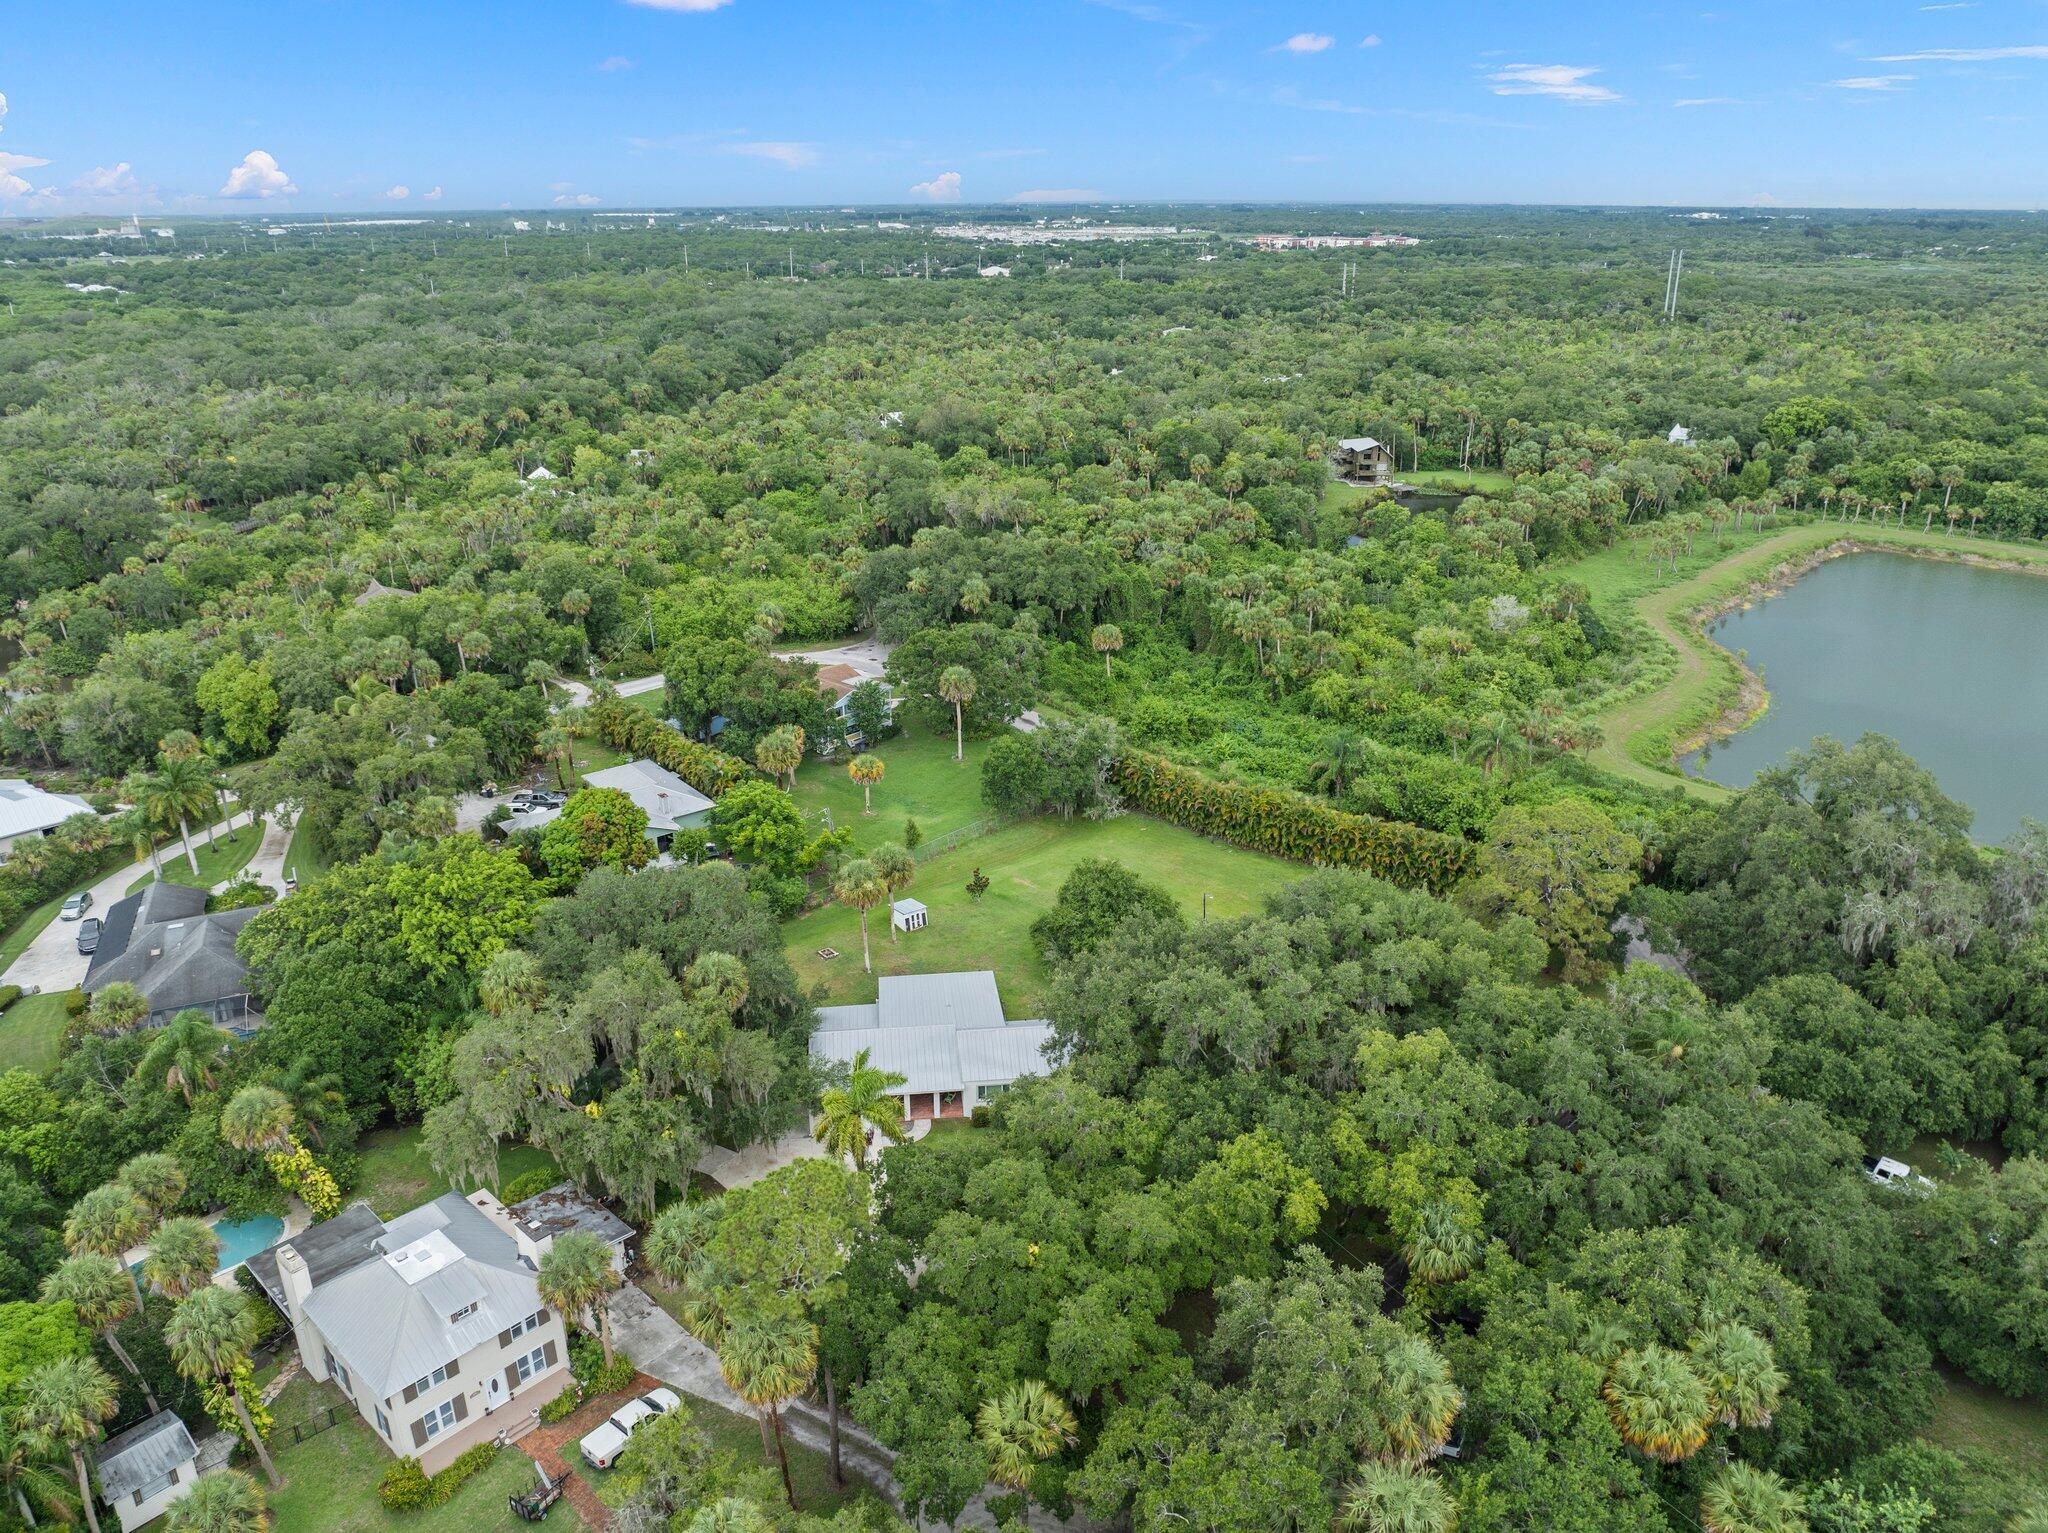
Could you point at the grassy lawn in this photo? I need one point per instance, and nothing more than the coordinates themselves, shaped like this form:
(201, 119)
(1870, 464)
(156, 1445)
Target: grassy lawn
(330, 1481)
(1025, 865)
(921, 780)
(1699, 679)
(31, 1032)
(301, 857)
(228, 855)
(1450, 480)
(588, 755)
(396, 1174)
(2003, 1443)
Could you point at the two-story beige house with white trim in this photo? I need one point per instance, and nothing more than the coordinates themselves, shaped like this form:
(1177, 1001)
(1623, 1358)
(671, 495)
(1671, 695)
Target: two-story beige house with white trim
(431, 1323)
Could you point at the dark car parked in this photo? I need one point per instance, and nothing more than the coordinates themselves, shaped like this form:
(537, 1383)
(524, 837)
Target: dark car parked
(89, 934)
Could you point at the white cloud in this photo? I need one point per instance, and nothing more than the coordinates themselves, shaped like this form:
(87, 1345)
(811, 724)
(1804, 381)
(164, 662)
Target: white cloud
(398, 193)
(944, 187)
(107, 181)
(693, 6)
(1567, 82)
(577, 200)
(790, 156)
(20, 161)
(431, 196)
(3, 106)
(560, 186)
(258, 176)
(1059, 194)
(1304, 42)
(13, 186)
(1964, 55)
(1370, 40)
(613, 65)
(1870, 82)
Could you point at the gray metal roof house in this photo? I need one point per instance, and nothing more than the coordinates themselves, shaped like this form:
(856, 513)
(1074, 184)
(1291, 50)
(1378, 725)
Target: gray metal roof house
(431, 1323)
(944, 1033)
(670, 803)
(144, 1469)
(164, 942)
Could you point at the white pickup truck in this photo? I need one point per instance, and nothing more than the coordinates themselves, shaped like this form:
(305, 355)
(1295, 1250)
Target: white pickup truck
(602, 1446)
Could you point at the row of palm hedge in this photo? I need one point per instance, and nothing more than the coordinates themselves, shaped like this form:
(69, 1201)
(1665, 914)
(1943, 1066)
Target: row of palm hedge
(704, 767)
(1289, 825)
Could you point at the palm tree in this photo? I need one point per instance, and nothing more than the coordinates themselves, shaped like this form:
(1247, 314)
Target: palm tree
(957, 686)
(158, 1178)
(1443, 1247)
(678, 1237)
(183, 1257)
(769, 1357)
(866, 770)
(171, 795)
(210, 1336)
(315, 1094)
(106, 1222)
(1106, 640)
(1740, 1373)
(539, 672)
(1020, 1429)
(846, 1113)
(101, 1294)
(1332, 771)
(729, 1514)
(859, 883)
(31, 1474)
(65, 1405)
(781, 751)
(576, 1278)
(1743, 1499)
(1658, 1403)
(1397, 1498)
(1415, 1404)
(552, 746)
(226, 1501)
(896, 868)
(257, 1118)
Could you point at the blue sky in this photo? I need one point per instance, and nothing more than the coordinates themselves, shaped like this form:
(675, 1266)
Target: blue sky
(320, 106)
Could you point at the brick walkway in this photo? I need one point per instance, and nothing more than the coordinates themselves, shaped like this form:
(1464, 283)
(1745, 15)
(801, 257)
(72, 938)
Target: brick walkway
(553, 1447)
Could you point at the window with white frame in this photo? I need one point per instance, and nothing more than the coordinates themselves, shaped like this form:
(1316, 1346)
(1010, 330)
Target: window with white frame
(439, 1420)
(532, 1363)
(383, 1421)
(439, 1376)
(532, 1322)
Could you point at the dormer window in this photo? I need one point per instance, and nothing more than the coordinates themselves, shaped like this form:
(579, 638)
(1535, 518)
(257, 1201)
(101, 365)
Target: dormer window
(463, 1314)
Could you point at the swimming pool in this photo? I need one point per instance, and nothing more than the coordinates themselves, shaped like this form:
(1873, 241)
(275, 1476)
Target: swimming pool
(242, 1239)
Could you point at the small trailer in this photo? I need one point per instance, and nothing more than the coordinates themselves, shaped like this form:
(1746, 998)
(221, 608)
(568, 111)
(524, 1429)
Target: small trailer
(533, 1506)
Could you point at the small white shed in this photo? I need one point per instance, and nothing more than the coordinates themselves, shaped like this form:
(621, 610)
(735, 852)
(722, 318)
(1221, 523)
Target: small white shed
(144, 1469)
(908, 915)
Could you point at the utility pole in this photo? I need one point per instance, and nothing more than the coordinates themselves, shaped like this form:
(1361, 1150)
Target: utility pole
(1673, 270)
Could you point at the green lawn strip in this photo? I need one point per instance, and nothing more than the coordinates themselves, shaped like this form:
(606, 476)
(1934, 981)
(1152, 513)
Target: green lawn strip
(301, 858)
(396, 1174)
(592, 755)
(228, 855)
(32, 1032)
(654, 702)
(2002, 1442)
(1449, 481)
(1025, 865)
(920, 780)
(1694, 679)
(330, 1479)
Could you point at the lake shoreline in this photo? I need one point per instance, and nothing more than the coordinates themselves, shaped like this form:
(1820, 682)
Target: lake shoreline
(1752, 699)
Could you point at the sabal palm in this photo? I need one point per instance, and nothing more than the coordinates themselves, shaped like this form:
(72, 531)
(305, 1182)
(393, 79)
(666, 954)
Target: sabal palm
(65, 1405)
(226, 1501)
(157, 1178)
(678, 1237)
(769, 1356)
(33, 1474)
(859, 883)
(729, 1514)
(896, 867)
(102, 1294)
(867, 770)
(1659, 1405)
(210, 1336)
(183, 1057)
(1020, 1429)
(1744, 1499)
(1740, 1373)
(1415, 1402)
(846, 1113)
(576, 1278)
(1397, 1498)
(106, 1222)
(1443, 1247)
(179, 788)
(183, 1257)
(257, 1118)
(957, 686)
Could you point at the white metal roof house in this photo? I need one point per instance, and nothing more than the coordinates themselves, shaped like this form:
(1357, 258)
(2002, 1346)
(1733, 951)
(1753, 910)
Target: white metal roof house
(431, 1323)
(1679, 434)
(144, 1469)
(26, 810)
(1364, 460)
(670, 803)
(944, 1033)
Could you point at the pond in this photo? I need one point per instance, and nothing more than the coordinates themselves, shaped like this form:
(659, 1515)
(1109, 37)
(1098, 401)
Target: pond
(1950, 660)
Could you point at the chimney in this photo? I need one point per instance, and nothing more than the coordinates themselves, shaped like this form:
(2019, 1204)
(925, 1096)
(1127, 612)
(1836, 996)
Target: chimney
(296, 1279)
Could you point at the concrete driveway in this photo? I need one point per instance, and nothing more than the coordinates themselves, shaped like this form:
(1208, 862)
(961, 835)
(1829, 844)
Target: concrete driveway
(868, 657)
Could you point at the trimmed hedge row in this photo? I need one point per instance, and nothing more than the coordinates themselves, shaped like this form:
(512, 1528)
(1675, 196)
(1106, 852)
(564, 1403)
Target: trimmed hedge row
(704, 767)
(1289, 825)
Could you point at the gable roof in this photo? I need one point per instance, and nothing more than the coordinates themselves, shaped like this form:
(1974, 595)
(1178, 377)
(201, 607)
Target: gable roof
(25, 808)
(143, 1454)
(164, 943)
(442, 1281)
(665, 797)
(1360, 443)
(328, 1249)
(377, 588)
(941, 1032)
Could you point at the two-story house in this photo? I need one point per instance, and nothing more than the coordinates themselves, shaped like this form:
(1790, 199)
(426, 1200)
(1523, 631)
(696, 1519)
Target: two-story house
(430, 1323)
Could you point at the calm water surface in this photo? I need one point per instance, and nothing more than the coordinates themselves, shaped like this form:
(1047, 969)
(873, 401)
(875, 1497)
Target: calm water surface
(1950, 661)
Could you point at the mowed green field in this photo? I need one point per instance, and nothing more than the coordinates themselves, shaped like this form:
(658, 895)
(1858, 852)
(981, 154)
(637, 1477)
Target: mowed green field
(920, 781)
(1025, 865)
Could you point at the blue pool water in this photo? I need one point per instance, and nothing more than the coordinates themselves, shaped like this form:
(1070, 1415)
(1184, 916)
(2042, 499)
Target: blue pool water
(243, 1239)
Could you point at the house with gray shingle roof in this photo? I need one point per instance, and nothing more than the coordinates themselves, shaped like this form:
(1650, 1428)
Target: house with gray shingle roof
(166, 944)
(430, 1323)
(144, 1469)
(945, 1034)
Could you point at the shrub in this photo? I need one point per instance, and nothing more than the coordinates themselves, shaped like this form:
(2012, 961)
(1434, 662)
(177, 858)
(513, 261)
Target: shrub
(562, 1406)
(704, 767)
(75, 1003)
(1289, 825)
(405, 1487)
(520, 1188)
(9, 994)
(1097, 897)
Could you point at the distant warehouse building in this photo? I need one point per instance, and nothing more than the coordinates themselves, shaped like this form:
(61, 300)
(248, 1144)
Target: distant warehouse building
(945, 1034)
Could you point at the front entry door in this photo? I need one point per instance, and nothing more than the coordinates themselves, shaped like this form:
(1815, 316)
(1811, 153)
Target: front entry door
(494, 1391)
